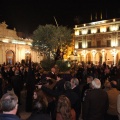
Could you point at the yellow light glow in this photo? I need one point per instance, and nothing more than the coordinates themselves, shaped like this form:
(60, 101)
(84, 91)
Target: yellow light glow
(83, 45)
(84, 52)
(113, 20)
(103, 51)
(5, 40)
(114, 51)
(76, 32)
(94, 52)
(103, 29)
(94, 30)
(114, 43)
(27, 51)
(84, 31)
(114, 27)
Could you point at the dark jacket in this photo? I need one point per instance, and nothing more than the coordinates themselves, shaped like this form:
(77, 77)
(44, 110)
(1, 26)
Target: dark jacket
(8, 117)
(39, 116)
(95, 105)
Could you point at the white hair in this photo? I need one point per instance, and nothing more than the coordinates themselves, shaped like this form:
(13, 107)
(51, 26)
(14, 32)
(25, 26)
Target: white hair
(75, 81)
(96, 83)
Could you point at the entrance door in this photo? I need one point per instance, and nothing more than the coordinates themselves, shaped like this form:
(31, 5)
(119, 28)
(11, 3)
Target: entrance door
(27, 57)
(9, 57)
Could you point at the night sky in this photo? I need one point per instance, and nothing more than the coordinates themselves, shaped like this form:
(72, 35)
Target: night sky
(27, 15)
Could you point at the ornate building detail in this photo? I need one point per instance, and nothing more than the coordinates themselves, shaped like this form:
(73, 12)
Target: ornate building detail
(101, 37)
(13, 48)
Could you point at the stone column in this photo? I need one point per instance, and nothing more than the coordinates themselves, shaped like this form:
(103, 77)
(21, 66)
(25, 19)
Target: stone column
(93, 55)
(114, 53)
(103, 55)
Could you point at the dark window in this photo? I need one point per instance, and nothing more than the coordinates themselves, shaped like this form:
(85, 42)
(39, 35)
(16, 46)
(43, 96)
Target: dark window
(89, 44)
(80, 44)
(108, 43)
(98, 43)
(119, 42)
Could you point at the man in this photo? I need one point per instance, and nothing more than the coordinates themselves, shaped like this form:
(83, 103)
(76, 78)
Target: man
(9, 106)
(86, 87)
(76, 88)
(59, 86)
(112, 113)
(96, 103)
(17, 85)
(52, 73)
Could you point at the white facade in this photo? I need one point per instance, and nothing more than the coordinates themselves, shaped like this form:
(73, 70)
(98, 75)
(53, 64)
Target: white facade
(98, 41)
(14, 49)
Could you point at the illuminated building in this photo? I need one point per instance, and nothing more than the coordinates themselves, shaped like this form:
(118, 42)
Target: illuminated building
(98, 42)
(15, 49)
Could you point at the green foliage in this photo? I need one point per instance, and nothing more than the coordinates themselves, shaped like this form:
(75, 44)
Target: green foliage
(63, 65)
(47, 38)
(47, 64)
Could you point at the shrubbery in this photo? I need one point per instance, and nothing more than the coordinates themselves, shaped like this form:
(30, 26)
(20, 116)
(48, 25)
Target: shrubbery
(47, 64)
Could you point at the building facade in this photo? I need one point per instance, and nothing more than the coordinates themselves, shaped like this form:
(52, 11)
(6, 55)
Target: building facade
(98, 42)
(15, 49)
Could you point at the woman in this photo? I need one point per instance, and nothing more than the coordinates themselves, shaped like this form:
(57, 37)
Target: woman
(39, 95)
(63, 110)
(40, 105)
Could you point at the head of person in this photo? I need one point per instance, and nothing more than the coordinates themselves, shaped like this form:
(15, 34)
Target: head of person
(39, 105)
(74, 82)
(96, 84)
(39, 95)
(59, 77)
(64, 107)
(53, 69)
(16, 72)
(9, 103)
(67, 85)
(113, 84)
(1, 75)
(89, 79)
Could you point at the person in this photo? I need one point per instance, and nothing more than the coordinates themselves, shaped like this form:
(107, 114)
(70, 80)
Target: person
(69, 93)
(64, 110)
(59, 86)
(38, 94)
(113, 93)
(9, 107)
(118, 106)
(1, 85)
(76, 88)
(17, 85)
(95, 105)
(52, 73)
(86, 87)
(39, 109)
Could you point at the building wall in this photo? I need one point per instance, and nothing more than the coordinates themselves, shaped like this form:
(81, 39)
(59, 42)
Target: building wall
(98, 42)
(14, 49)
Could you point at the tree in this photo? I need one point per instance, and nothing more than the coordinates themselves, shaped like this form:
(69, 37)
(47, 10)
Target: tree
(46, 39)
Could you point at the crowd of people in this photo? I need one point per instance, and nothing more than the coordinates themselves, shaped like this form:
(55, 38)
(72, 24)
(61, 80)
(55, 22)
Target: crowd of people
(87, 91)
